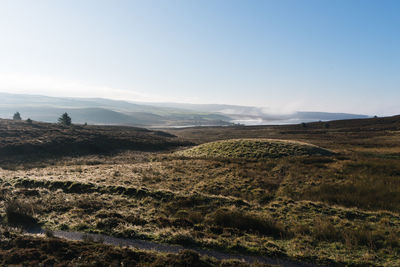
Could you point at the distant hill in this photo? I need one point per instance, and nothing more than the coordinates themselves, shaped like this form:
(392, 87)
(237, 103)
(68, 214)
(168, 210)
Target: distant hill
(257, 116)
(365, 131)
(115, 112)
(103, 111)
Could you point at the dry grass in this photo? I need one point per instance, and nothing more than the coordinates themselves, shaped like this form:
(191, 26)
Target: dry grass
(249, 222)
(19, 213)
(332, 209)
(18, 250)
(21, 141)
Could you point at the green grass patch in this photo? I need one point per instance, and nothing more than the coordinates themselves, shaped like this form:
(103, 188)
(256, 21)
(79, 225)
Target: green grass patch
(253, 149)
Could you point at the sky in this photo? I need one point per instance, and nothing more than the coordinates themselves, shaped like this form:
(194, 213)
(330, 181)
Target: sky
(286, 55)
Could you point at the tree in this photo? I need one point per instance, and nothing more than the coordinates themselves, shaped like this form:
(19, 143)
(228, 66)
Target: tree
(65, 119)
(17, 116)
(29, 121)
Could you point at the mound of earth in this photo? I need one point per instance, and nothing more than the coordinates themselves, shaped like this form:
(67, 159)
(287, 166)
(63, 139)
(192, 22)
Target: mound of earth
(253, 149)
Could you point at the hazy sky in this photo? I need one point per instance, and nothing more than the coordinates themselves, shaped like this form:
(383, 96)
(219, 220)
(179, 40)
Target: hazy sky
(289, 55)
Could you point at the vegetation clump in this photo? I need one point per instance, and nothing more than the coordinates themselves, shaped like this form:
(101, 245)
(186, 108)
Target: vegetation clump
(249, 222)
(65, 119)
(17, 116)
(256, 149)
(34, 251)
(19, 213)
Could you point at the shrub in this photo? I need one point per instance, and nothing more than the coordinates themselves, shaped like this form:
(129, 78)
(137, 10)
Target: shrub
(182, 239)
(189, 256)
(364, 236)
(195, 217)
(324, 230)
(361, 235)
(19, 213)
(249, 222)
(183, 258)
(48, 233)
(109, 224)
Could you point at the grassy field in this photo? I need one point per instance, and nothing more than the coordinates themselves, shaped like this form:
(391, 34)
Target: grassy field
(330, 194)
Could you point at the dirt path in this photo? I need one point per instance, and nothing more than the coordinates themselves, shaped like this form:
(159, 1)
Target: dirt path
(168, 248)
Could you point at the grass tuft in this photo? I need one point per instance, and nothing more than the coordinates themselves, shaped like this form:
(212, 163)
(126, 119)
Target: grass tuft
(249, 222)
(19, 213)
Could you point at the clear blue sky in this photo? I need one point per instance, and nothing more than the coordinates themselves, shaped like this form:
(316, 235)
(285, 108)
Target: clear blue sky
(341, 56)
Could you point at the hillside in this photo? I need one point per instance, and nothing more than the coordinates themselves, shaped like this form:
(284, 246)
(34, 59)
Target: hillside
(331, 134)
(250, 115)
(24, 140)
(104, 111)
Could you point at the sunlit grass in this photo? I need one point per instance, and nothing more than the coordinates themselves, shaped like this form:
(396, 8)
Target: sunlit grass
(253, 149)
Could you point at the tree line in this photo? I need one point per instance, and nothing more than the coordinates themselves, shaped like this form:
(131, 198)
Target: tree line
(64, 119)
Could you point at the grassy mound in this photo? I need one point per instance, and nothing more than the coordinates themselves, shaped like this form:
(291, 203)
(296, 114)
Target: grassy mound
(253, 149)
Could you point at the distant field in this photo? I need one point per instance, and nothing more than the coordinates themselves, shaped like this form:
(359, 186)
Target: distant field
(294, 200)
(358, 134)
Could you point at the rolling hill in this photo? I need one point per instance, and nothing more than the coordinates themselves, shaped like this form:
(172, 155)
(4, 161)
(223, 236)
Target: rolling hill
(37, 140)
(156, 115)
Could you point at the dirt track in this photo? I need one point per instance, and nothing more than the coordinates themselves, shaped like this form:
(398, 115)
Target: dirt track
(168, 248)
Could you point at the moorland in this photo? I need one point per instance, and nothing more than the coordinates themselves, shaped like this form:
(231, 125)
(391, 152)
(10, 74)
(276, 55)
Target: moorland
(326, 193)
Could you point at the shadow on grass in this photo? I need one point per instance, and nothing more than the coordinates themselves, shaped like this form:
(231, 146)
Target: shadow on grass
(20, 214)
